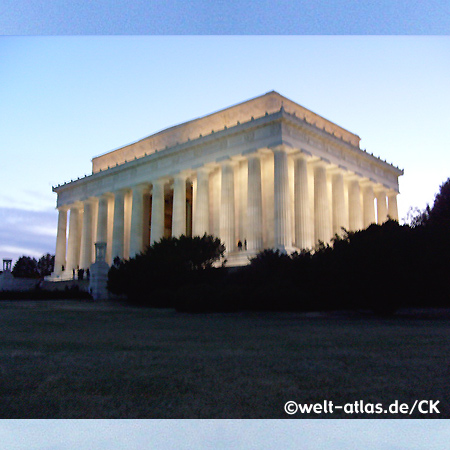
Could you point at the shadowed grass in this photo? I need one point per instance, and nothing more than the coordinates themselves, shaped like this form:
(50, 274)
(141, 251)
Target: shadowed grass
(84, 360)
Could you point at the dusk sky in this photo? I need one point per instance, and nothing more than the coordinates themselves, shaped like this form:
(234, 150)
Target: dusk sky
(66, 99)
(224, 434)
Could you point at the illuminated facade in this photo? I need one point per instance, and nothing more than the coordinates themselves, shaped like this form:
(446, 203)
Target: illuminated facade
(267, 173)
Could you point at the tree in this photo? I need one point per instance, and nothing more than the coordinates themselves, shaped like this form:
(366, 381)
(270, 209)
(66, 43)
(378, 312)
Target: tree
(417, 218)
(46, 264)
(26, 267)
(166, 265)
(439, 214)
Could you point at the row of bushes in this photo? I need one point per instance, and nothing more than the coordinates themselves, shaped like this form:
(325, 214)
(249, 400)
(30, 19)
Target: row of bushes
(44, 294)
(381, 268)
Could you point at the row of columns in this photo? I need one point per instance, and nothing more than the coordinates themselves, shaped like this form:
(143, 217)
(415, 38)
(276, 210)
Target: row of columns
(293, 227)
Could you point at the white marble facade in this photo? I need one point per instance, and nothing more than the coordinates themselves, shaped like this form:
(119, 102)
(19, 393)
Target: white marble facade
(266, 172)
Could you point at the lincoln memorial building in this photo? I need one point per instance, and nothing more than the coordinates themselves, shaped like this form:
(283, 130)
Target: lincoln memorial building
(267, 173)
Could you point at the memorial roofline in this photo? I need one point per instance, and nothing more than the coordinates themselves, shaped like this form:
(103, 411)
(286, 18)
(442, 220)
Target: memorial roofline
(239, 127)
(241, 112)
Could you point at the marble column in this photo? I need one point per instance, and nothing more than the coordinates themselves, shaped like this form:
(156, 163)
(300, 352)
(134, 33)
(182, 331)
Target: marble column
(61, 241)
(354, 205)
(157, 222)
(179, 205)
(86, 236)
(254, 204)
(73, 246)
(241, 200)
(392, 206)
(338, 203)
(368, 204)
(282, 201)
(201, 211)
(304, 233)
(227, 207)
(322, 219)
(102, 219)
(118, 225)
(137, 220)
(381, 207)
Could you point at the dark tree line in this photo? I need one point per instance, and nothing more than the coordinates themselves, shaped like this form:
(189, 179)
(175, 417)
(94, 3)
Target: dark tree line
(28, 267)
(154, 277)
(380, 268)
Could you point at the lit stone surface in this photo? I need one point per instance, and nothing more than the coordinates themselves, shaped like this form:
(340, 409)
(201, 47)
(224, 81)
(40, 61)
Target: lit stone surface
(304, 231)
(354, 204)
(73, 247)
(137, 221)
(201, 213)
(338, 203)
(119, 225)
(254, 204)
(381, 207)
(157, 226)
(86, 236)
(392, 206)
(282, 201)
(322, 222)
(266, 172)
(179, 206)
(227, 211)
(368, 205)
(60, 254)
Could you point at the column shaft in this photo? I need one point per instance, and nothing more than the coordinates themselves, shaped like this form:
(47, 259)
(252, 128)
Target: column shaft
(118, 226)
(102, 221)
(61, 240)
(73, 247)
(254, 205)
(354, 205)
(282, 201)
(381, 207)
(338, 203)
(322, 223)
(201, 212)
(86, 236)
(137, 221)
(304, 235)
(392, 206)
(179, 206)
(227, 209)
(157, 223)
(368, 205)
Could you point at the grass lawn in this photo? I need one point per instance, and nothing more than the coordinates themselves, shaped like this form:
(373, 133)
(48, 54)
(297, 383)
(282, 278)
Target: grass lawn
(68, 359)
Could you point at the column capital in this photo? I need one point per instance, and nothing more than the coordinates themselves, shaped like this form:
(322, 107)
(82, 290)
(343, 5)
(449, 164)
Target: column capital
(201, 169)
(119, 192)
(365, 183)
(76, 205)
(228, 162)
(252, 155)
(89, 200)
(302, 154)
(285, 148)
(183, 175)
(392, 193)
(380, 190)
(337, 170)
(353, 176)
(106, 195)
(160, 181)
(142, 187)
(322, 162)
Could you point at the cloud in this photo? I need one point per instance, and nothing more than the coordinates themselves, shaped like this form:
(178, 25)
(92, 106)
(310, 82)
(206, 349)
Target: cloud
(25, 232)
